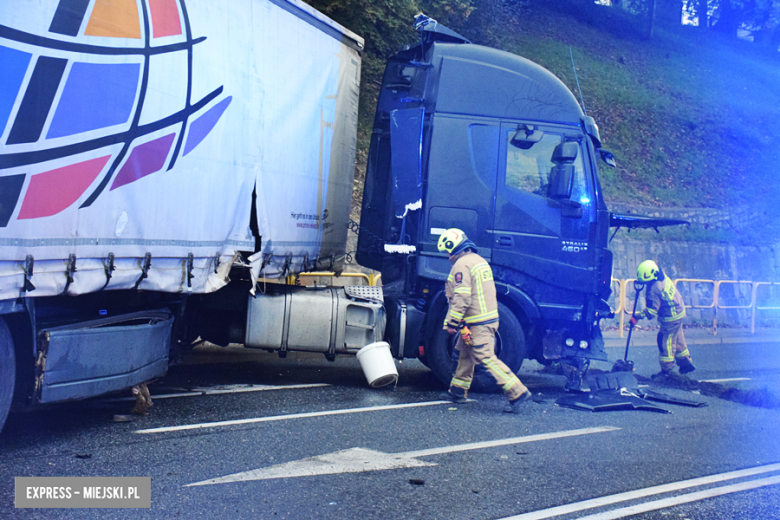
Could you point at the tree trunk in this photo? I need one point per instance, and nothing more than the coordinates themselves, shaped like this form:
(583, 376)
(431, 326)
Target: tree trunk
(771, 27)
(729, 18)
(702, 14)
(651, 19)
(669, 12)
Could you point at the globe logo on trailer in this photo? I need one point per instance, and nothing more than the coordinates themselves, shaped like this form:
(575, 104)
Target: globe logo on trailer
(83, 106)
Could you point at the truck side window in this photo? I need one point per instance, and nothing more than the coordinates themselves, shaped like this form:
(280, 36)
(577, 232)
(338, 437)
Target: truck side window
(529, 169)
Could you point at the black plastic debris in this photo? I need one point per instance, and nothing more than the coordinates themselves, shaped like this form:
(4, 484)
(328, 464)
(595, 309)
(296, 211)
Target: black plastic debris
(619, 391)
(608, 401)
(760, 397)
(663, 398)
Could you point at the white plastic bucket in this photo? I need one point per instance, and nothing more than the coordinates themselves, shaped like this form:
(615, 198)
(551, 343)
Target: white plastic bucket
(378, 364)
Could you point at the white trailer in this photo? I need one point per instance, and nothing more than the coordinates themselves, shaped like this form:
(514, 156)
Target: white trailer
(146, 147)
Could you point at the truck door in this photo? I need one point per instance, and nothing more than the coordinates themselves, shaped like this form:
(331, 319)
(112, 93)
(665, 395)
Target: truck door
(544, 206)
(461, 178)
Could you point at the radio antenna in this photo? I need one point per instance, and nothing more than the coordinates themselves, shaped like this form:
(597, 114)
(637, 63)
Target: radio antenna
(582, 101)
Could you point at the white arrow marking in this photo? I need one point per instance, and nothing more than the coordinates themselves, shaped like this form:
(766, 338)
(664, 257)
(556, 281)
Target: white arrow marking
(354, 460)
(357, 460)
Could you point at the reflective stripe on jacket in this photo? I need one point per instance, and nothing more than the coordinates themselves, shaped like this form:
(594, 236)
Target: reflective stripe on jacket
(664, 302)
(471, 292)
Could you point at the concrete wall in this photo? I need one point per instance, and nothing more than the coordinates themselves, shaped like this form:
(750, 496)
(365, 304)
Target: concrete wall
(698, 260)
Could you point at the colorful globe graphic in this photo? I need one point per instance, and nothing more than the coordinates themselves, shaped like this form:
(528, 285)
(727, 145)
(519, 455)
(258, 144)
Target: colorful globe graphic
(83, 83)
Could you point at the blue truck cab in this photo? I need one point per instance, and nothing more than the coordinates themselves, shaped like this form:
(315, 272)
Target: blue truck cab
(483, 140)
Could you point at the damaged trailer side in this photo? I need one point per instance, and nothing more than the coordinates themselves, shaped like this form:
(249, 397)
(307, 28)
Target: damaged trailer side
(144, 154)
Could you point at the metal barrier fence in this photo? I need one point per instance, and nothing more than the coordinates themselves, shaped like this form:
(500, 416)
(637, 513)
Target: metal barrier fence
(751, 300)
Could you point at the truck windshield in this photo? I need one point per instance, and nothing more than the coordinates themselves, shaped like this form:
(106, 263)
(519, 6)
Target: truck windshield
(529, 170)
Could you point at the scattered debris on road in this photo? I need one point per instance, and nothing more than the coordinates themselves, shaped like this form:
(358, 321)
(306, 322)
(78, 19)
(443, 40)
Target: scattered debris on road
(761, 397)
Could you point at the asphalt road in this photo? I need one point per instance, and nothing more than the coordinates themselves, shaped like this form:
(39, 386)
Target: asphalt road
(339, 449)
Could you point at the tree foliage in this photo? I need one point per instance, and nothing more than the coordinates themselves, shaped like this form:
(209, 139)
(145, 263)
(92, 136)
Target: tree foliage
(759, 19)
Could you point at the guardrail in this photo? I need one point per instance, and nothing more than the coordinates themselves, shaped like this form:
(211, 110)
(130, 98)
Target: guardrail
(752, 301)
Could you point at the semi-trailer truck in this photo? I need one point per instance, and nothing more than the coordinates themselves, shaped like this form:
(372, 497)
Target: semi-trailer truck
(165, 167)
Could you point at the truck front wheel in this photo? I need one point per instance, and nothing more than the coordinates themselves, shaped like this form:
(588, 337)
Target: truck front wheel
(7, 372)
(510, 348)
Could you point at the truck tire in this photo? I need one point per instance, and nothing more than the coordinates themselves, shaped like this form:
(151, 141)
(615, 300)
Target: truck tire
(7, 372)
(510, 348)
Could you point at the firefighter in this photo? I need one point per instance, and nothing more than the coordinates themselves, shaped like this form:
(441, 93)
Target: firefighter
(473, 316)
(664, 302)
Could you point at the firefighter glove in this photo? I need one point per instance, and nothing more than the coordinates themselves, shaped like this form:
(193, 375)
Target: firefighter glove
(466, 335)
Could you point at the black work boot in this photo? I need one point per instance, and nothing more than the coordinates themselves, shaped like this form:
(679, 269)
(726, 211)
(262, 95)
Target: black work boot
(516, 405)
(449, 396)
(686, 367)
(663, 374)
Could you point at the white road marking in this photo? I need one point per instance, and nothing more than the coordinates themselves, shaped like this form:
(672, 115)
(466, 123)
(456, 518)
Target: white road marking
(641, 493)
(358, 460)
(287, 417)
(504, 442)
(683, 499)
(724, 380)
(237, 389)
(224, 389)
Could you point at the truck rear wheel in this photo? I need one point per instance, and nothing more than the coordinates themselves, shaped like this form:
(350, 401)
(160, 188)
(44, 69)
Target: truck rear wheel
(7, 372)
(510, 348)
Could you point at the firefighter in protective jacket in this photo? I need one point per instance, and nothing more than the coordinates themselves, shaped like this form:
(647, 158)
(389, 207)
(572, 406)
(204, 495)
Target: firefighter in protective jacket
(473, 315)
(665, 303)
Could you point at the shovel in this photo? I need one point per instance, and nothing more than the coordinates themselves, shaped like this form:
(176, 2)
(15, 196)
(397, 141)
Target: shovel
(624, 365)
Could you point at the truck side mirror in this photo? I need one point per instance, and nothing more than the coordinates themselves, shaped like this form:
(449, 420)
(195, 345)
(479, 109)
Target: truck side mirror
(562, 174)
(526, 136)
(608, 157)
(561, 177)
(565, 152)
